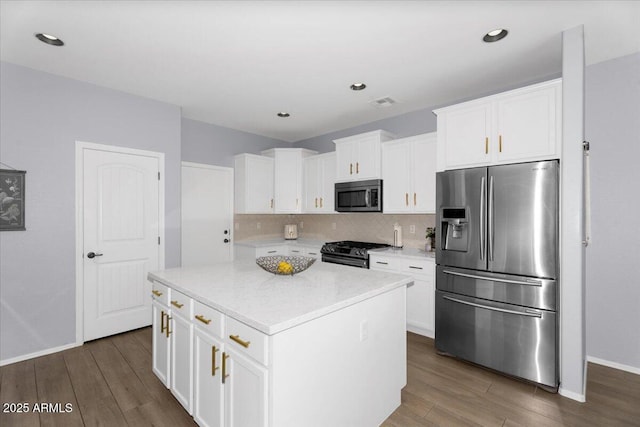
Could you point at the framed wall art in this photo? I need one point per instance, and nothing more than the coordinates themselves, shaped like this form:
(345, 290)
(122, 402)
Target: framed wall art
(12, 200)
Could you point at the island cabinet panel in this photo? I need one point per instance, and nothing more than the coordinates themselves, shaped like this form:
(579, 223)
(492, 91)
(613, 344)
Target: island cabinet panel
(181, 331)
(246, 391)
(343, 369)
(208, 389)
(521, 125)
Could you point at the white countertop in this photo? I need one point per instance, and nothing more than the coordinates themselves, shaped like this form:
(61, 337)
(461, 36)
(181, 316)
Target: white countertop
(272, 303)
(261, 243)
(405, 253)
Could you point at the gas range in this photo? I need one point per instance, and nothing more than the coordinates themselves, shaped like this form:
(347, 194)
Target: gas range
(348, 252)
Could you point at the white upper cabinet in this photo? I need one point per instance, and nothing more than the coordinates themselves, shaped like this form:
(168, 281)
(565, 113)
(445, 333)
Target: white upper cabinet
(253, 184)
(515, 126)
(287, 178)
(358, 156)
(409, 174)
(319, 180)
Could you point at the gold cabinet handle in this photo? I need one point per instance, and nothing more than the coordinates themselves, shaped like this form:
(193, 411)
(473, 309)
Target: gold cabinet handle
(271, 204)
(214, 368)
(240, 341)
(168, 331)
(357, 167)
(316, 202)
(162, 326)
(415, 199)
(203, 319)
(500, 143)
(486, 145)
(177, 304)
(406, 199)
(320, 201)
(225, 356)
(156, 293)
(350, 168)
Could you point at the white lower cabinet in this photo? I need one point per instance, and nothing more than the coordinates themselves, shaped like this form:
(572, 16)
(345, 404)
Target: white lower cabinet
(181, 332)
(161, 342)
(420, 295)
(245, 391)
(208, 390)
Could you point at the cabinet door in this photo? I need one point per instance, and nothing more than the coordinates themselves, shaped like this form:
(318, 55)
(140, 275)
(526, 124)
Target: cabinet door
(311, 192)
(345, 153)
(527, 125)
(396, 158)
(182, 360)
(420, 306)
(245, 391)
(423, 162)
(208, 392)
(327, 183)
(161, 343)
(466, 136)
(367, 159)
(258, 189)
(288, 182)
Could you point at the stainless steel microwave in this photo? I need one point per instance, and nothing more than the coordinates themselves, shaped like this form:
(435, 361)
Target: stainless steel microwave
(359, 196)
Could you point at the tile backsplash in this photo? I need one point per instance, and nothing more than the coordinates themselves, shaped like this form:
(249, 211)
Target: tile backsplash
(367, 227)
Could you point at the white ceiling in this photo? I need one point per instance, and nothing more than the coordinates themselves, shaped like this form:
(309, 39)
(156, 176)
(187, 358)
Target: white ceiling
(237, 64)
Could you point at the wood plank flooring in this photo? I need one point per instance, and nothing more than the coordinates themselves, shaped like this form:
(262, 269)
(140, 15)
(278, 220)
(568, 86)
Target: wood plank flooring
(109, 382)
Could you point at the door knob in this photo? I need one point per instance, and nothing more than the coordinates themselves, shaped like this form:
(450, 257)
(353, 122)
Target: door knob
(226, 240)
(92, 255)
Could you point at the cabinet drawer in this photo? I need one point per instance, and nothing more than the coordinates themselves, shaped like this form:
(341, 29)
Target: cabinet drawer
(160, 292)
(208, 319)
(377, 262)
(246, 340)
(181, 304)
(417, 267)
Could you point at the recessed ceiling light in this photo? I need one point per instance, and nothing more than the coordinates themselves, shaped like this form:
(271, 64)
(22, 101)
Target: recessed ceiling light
(358, 86)
(495, 35)
(49, 39)
(283, 114)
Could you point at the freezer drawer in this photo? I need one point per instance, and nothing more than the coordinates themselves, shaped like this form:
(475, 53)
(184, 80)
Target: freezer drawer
(506, 288)
(515, 340)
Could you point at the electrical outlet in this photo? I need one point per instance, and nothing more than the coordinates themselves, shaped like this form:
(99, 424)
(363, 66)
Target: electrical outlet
(412, 229)
(364, 330)
(258, 226)
(333, 225)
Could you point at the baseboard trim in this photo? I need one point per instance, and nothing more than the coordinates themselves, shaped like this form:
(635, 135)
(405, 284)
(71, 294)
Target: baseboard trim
(613, 365)
(38, 354)
(420, 330)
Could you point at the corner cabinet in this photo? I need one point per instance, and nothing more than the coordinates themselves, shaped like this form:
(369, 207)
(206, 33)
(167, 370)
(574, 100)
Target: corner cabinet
(409, 174)
(319, 180)
(515, 126)
(358, 156)
(287, 178)
(420, 295)
(253, 184)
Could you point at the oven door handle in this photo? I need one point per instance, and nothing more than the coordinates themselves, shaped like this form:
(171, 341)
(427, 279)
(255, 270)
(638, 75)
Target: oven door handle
(493, 279)
(488, 307)
(366, 197)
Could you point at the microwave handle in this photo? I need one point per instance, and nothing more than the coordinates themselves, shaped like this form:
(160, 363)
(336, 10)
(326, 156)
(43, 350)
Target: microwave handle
(366, 197)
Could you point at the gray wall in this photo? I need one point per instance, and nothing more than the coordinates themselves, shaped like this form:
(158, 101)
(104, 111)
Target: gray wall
(41, 117)
(613, 259)
(216, 145)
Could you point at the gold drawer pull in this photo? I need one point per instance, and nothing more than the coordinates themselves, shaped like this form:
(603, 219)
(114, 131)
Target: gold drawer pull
(214, 368)
(156, 293)
(203, 319)
(242, 342)
(177, 304)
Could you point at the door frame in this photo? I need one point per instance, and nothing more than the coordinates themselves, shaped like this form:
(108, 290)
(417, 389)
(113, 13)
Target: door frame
(80, 147)
(231, 195)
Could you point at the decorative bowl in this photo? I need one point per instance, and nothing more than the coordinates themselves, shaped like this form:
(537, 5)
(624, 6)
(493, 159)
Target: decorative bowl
(284, 265)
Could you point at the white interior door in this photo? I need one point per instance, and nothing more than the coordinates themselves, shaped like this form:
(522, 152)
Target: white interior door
(121, 203)
(207, 214)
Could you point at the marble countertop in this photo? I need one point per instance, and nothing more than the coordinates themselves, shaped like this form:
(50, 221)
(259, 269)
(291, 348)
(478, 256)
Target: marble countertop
(272, 303)
(405, 253)
(261, 243)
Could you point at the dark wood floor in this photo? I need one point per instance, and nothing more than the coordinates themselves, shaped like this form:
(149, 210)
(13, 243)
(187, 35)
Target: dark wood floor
(109, 382)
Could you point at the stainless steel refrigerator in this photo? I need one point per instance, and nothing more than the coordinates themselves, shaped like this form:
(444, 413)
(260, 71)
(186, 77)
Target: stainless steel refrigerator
(497, 268)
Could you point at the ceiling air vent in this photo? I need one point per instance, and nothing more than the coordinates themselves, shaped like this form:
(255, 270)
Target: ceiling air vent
(383, 102)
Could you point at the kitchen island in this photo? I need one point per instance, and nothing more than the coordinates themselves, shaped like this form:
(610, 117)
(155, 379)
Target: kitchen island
(239, 346)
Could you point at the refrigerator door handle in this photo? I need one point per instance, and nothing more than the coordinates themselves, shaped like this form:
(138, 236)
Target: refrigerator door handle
(530, 313)
(483, 226)
(494, 279)
(490, 215)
